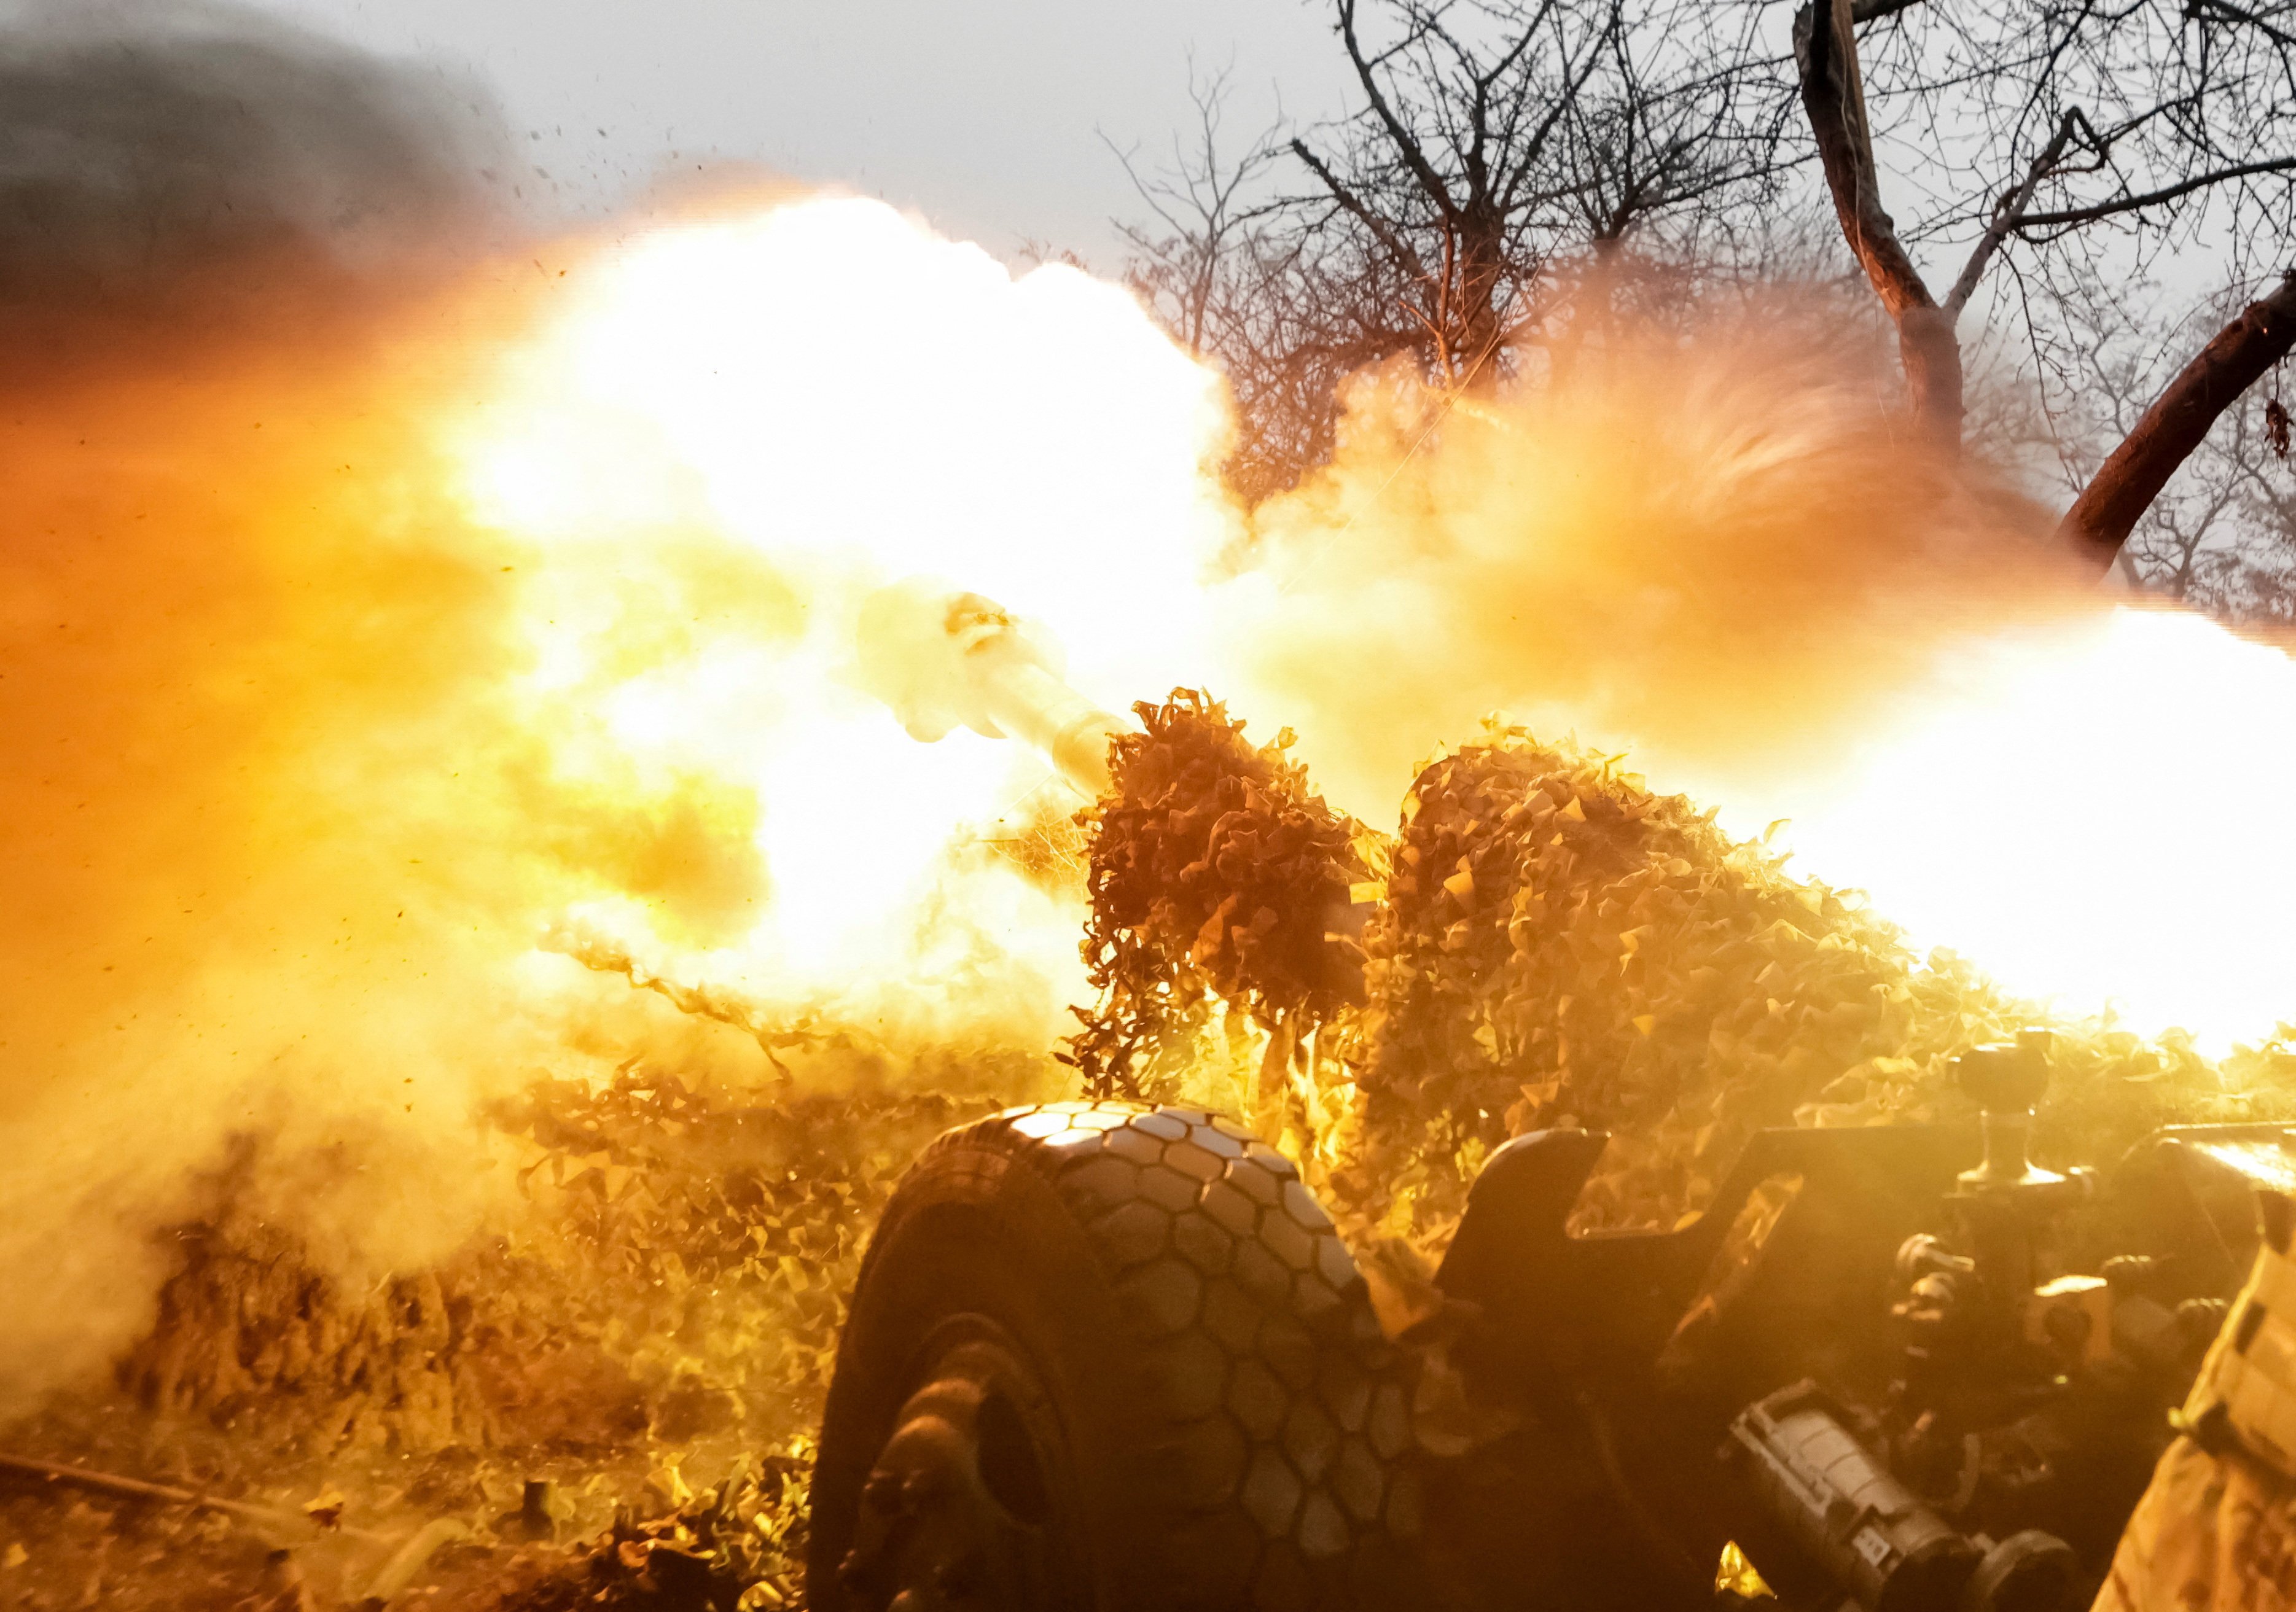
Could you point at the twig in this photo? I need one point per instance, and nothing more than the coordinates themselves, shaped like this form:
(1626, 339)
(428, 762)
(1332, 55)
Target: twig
(135, 1488)
(593, 951)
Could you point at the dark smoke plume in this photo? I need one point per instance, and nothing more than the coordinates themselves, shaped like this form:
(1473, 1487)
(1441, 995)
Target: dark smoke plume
(242, 626)
(155, 159)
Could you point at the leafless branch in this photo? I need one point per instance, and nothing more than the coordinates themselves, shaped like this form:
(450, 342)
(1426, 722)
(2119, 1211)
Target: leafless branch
(2166, 193)
(2132, 477)
(2008, 214)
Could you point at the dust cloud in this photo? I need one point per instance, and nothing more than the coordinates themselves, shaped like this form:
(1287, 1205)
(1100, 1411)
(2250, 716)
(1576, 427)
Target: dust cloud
(382, 589)
(1723, 555)
(277, 832)
(1718, 551)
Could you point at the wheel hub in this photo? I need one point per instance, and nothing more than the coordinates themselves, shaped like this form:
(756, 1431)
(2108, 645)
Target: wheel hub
(967, 1504)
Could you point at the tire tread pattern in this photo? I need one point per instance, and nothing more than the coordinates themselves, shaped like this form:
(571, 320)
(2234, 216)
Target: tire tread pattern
(1287, 1411)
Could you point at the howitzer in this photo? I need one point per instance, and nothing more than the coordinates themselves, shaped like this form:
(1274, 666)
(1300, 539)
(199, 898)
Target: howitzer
(1109, 1356)
(1900, 1400)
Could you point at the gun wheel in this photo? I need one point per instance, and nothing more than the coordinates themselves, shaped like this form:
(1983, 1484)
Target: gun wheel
(970, 1496)
(1106, 1357)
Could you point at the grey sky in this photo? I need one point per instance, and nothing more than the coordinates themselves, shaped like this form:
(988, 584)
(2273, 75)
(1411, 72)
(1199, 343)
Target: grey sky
(985, 118)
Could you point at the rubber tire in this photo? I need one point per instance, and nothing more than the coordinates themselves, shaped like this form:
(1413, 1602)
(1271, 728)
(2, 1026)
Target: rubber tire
(1236, 1423)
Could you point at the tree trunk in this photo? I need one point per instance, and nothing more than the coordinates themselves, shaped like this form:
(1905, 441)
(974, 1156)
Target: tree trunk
(2127, 483)
(1825, 51)
(1482, 261)
(1931, 354)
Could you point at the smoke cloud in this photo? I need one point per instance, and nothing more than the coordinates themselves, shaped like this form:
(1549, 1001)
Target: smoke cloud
(1720, 552)
(262, 782)
(169, 163)
(380, 588)
(308, 751)
(1723, 555)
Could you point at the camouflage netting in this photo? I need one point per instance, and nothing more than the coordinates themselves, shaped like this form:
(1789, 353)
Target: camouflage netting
(1560, 946)
(1214, 873)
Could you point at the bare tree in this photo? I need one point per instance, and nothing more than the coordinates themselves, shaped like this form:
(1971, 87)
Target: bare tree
(1493, 141)
(1446, 183)
(1473, 208)
(2255, 580)
(1231, 277)
(2093, 134)
(2226, 540)
(2166, 435)
(1498, 137)
(1207, 214)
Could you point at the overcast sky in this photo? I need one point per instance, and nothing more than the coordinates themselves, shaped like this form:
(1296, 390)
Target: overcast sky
(987, 117)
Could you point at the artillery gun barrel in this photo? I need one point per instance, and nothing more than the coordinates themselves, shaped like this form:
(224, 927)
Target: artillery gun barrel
(944, 661)
(1026, 702)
